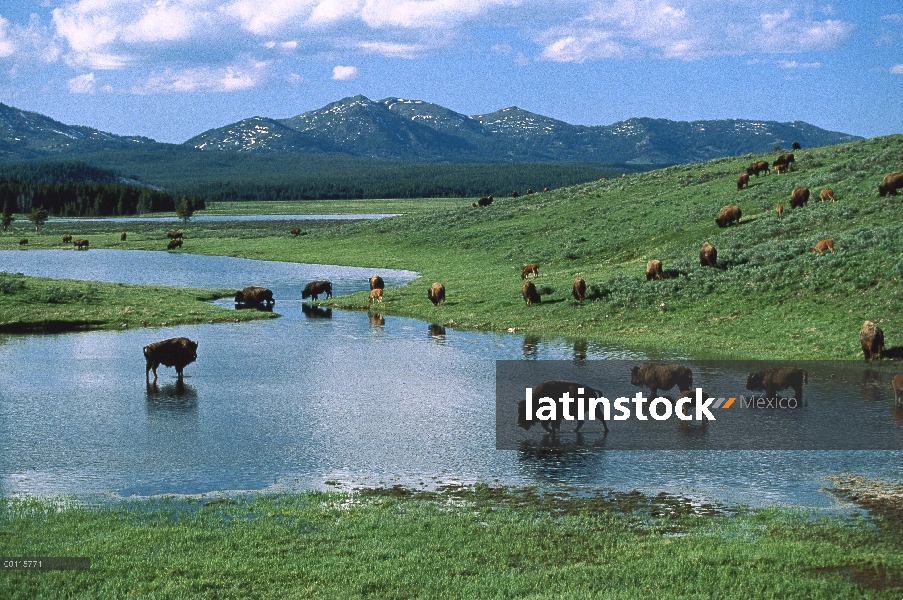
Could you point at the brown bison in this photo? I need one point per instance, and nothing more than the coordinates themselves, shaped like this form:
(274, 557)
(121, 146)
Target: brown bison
(891, 183)
(23, 242)
(514, 194)
(122, 236)
(376, 282)
(742, 179)
(780, 167)
(799, 196)
(780, 210)
(795, 146)
(67, 238)
(661, 376)
(485, 201)
(529, 191)
(174, 352)
(531, 268)
(786, 158)
(530, 294)
(579, 289)
(173, 244)
(823, 245)
(436, 293)
(296, 231)
(555, 390)
(654, 270)
(897, 384)
(728, 215)
(708, 256)
(255, 296)
(757, 167)
(174, 235)
(315, 288)
(781, 378)
(375, 294)
(545, 189)
(826, 195)
(872, 340)
(80, 244)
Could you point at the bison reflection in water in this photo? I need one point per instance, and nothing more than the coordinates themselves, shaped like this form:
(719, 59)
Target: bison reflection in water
(377, 320)
(311, 311)
(174, 352)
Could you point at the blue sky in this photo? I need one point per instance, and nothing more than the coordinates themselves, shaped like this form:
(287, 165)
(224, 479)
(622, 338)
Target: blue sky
(170, 69)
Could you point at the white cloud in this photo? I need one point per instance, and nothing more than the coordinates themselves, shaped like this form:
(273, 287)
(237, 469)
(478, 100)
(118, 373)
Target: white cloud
(394, 49)
(893, 18)
(343, 73)
(82, 84)
(213, 79)
(583, 46)
(897, 69)
(6, 42)
(792, 64)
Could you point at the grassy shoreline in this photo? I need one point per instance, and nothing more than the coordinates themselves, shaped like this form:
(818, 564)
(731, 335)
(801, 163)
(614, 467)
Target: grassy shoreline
(470, 542)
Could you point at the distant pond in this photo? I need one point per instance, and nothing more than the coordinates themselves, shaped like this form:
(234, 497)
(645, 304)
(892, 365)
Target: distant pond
(316, 396)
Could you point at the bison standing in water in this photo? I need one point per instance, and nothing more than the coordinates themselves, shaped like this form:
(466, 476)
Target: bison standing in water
(555, 390)
(781, 378)
(661, 376)
(315, 288)
(255, 295)
(174, 352)
(872, 340)
(436, 294)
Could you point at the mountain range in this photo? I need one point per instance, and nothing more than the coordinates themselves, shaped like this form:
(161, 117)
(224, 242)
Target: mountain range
(414, 130)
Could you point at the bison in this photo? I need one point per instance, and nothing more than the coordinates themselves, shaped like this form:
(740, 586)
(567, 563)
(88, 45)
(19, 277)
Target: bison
(174, 235)
(485, 201)
(23, 242)
(529, 191)
(897, 384)
(757, 167)
(661, 376)
(80, 244)
(891, 183)
(436, 293)
(826, 195)
(255, 295)
(799, 196)
(174, 352)
(296, 231)
(530, 294)
(776, 379)
(531, 268)
(579, 289)
(315, 288)
(780, 210)
(376, 282)
(654, 270)
(708, 256)
(545, 189)
(728, 215)
(787, 158)
(375, 294)
(780, 167)
(742, 179)
(67, 238)
(555, 390)
(514, 194)
(173, 244)
(473, 204)
(122, 236)
(823, 245)
(795, 146)
(872, 340)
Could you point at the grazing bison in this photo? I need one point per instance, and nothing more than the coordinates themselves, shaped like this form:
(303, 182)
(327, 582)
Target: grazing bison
(255, 295)
(296, 231)
(174, 352)
(531, 268)
(530, 294)
(891, 183)
(436, 293)
(742, 179)
(823, 245)
(485, 201)
(654, 270)
(757, 167)
(23, 242)
(514, 194)
(376, 282)
(781, 378)
(780, 167)
(826, 195)
(80, 244)
(872, 340)
(661, 376)
(174, 235)
(795, 146)
(375, 294)
(173, 244)
(780, 210)
(786, 158)
(122, 236)
(315, 288)
(799, 196)
(728, 215)
(529, 191)
(555, 390)
(579, 289)
(897, 384)
(708, 256)
(67, 238)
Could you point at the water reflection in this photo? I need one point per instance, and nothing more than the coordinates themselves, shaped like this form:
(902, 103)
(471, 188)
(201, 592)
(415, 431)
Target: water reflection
(437, 333)
(313, 311)
(530, 346)
(580, 349)
(171, 400)
(376, 320)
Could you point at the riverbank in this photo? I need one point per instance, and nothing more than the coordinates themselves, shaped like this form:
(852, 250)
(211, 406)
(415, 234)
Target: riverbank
(459, 542)
(41, 305)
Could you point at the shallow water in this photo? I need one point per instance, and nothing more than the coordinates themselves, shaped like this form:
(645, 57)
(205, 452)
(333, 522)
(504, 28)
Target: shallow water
(309, 398)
